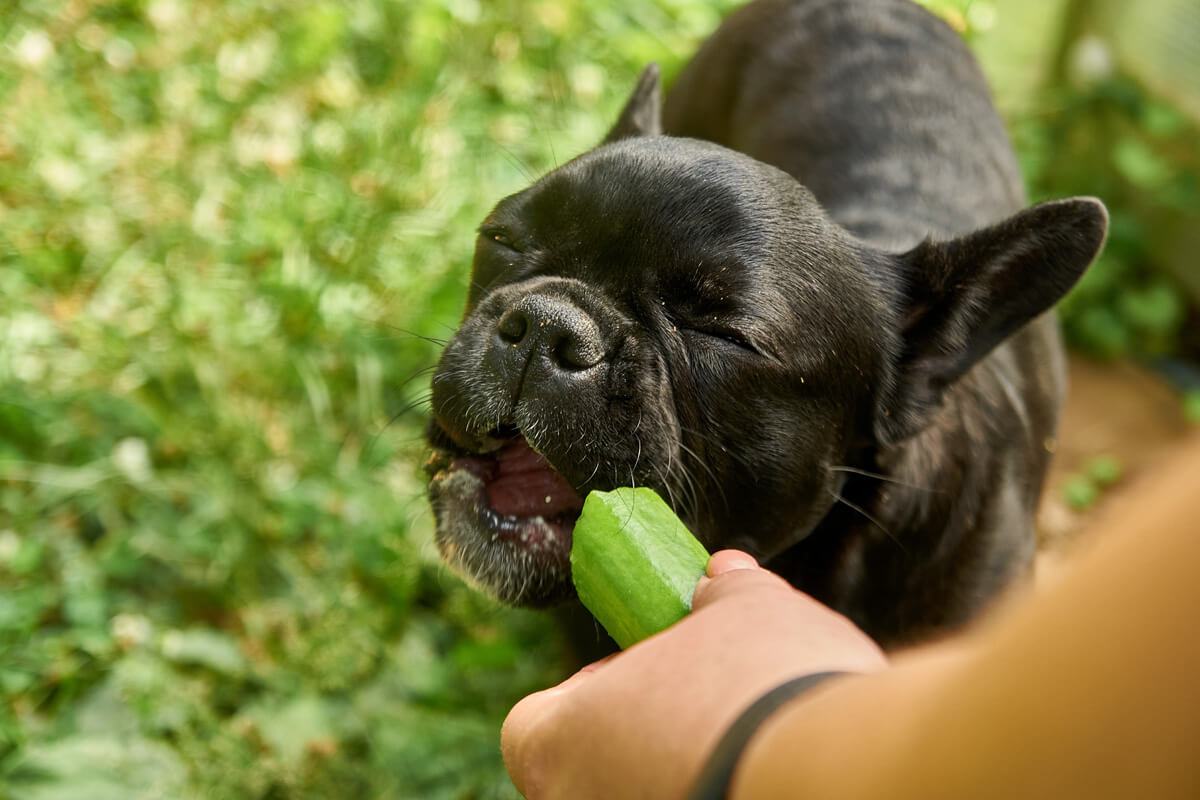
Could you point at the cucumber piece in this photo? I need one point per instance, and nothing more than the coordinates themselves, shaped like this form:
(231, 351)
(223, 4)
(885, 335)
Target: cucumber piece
(634, 563)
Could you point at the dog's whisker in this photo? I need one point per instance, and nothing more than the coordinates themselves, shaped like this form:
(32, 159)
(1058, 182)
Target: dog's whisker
(515, 160)
(638, 439)
(632, 484)
(691, 491)
(421, 401)
(575, 443)
(670, 488)
(419, 373)
(688, 483)
(415, 335)
(709, 439)
(667, 489)
(595, 470)
(881, 477)
(855, 507)
(716, 481)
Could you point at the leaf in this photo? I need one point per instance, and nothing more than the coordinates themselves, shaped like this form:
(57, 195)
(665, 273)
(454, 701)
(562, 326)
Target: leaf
(1140, 165)
(295, 727)
(317, 33)
(1157, 308)
(1191, 406)
(204, 647)
(1101, 332)
(1080, 493)
(1104, 470)
(1156, 41)
(100, 766)
(434, 755)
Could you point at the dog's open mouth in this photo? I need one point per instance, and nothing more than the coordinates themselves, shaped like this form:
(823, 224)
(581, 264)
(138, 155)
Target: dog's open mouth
(504, 517)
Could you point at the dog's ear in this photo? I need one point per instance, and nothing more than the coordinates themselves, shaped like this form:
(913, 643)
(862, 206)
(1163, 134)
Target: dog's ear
(967, 295)
(642, 115)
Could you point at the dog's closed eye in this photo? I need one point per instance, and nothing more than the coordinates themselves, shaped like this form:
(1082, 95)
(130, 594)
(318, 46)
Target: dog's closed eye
(500, 236)
(709, 326)
(733, 337)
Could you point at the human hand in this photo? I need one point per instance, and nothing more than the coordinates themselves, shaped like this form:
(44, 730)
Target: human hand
(640, 723)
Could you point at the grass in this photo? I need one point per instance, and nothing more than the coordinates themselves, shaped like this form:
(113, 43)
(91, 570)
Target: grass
(232, 236)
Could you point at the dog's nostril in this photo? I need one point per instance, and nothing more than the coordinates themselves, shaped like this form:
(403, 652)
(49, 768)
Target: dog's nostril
(513, 326)
(552, 329)
(569, 352)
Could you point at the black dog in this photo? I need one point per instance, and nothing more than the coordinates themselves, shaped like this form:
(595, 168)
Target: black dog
(818, 328)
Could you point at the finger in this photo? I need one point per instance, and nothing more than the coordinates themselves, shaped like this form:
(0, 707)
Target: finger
(595, 665)
(530, 723)
(537, 702)
(724, 561)
(734, 581)
(527, 735)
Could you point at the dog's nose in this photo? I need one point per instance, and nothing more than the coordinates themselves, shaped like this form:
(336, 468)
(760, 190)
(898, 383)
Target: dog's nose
(553, 327)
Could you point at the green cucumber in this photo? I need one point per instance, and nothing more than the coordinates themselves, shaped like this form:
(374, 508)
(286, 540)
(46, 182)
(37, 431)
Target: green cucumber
(634, 563)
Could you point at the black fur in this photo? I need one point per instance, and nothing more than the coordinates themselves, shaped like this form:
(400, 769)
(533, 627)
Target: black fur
(830, 349)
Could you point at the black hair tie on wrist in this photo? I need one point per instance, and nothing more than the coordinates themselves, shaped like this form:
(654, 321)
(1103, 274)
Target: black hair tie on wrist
(717, 774)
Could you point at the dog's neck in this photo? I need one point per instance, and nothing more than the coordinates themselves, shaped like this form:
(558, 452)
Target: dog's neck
(874, 105)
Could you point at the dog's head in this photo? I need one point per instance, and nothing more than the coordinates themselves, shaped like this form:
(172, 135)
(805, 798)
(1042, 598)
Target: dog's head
(669, 313)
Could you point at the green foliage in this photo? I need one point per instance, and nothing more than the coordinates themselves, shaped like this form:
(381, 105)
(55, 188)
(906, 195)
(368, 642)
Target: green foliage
(1080, 493)
(231, 235)
(1138, 154)
(1191, 406)
(1082, 490)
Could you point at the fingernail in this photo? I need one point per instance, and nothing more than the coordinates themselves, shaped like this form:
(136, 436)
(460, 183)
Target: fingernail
(728, 560)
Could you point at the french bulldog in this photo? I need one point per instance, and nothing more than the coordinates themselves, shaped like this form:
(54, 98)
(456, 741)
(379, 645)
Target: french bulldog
(804, 300)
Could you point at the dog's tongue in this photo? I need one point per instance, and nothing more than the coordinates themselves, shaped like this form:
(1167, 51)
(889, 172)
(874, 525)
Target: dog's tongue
(526, 485)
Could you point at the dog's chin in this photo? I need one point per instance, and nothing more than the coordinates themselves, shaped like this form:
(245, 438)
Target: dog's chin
(504, 520)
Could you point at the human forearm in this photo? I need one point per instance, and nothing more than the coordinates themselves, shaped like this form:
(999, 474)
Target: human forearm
(1088, 689)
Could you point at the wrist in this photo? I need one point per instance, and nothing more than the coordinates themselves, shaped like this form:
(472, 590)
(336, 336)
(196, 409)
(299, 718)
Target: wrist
(716, 776)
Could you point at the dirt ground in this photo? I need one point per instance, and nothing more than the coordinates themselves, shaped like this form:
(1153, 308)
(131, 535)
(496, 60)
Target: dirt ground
(1120, 410)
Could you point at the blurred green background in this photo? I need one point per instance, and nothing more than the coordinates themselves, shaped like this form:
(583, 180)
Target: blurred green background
(232, 235)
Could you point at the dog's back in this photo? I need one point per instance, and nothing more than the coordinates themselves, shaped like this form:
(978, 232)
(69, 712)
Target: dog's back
(876, 106)
(881, 111)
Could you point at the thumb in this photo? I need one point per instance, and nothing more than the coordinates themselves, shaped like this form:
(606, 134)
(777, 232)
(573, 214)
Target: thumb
(724, 561)
(733, 572)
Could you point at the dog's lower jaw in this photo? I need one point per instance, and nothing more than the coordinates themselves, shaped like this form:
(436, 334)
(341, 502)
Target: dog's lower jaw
(502, 545)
